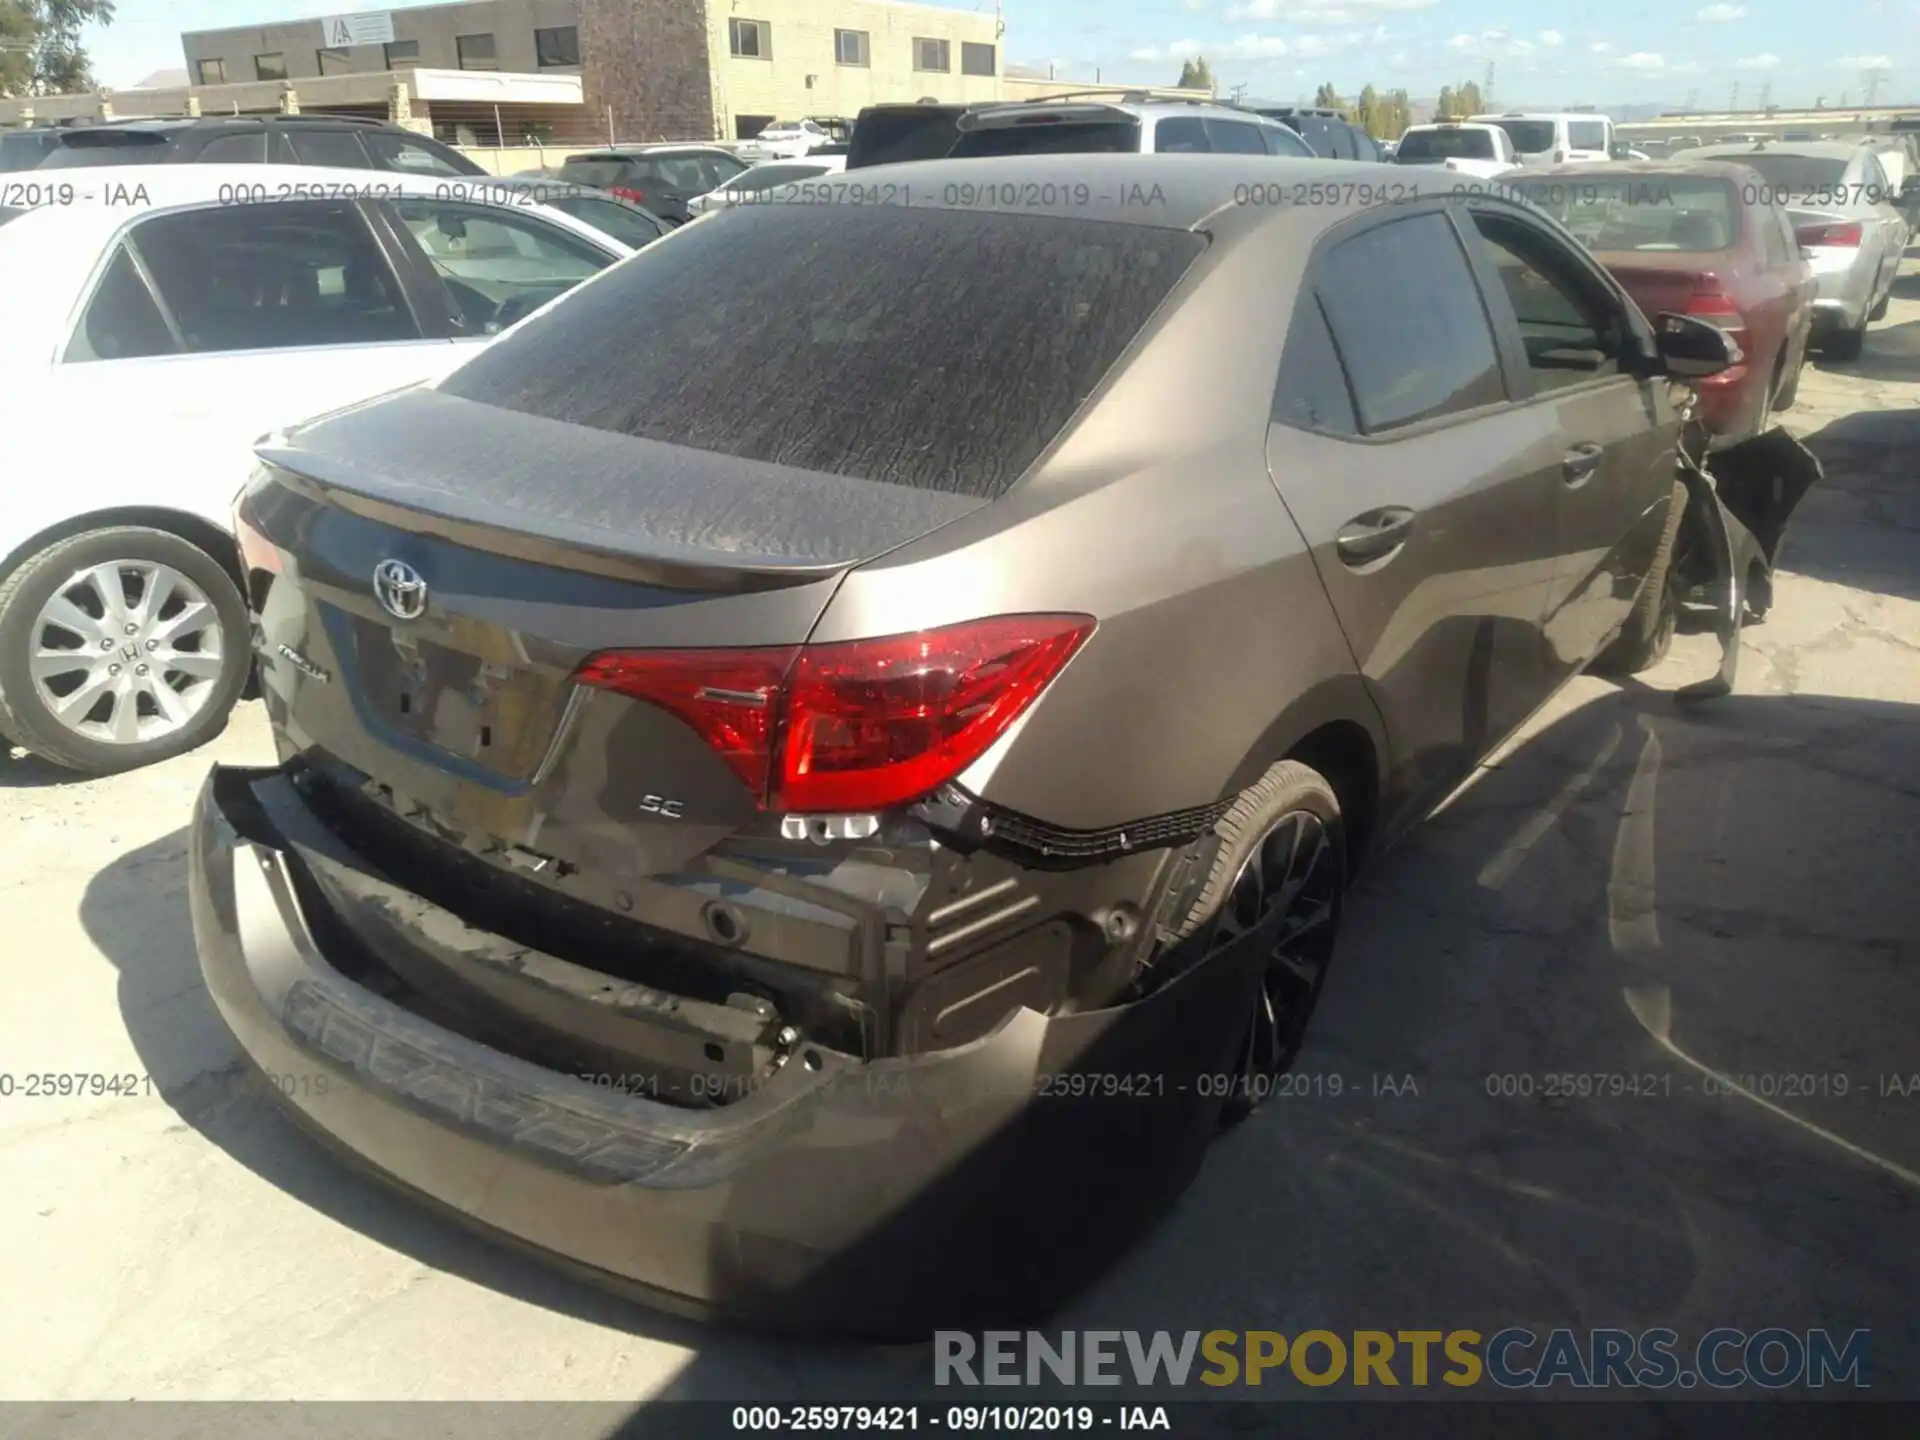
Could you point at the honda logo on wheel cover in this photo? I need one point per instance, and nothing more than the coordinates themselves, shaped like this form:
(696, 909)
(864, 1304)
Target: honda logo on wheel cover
(400, 590)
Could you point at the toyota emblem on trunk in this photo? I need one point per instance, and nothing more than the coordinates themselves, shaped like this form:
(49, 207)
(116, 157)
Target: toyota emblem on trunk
(400, 590)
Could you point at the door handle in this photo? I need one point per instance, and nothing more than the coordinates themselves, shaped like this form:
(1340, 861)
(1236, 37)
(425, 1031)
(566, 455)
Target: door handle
(1368, 537)
(1580, 462)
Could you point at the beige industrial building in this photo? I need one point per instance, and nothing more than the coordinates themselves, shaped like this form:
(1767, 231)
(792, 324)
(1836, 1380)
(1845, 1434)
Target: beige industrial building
(651, 69)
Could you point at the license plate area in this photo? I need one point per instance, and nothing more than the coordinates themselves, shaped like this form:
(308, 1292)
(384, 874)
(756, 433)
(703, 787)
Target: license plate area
(432, 693)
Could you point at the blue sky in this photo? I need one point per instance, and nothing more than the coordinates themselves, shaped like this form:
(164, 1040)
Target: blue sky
(1571, 53)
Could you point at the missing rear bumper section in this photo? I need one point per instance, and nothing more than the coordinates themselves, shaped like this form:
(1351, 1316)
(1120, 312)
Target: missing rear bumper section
(971, 1185)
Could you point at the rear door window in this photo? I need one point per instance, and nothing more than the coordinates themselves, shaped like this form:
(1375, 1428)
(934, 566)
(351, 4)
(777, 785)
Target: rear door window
(854, 365)
(1406, 314)
(1181, 135)
(272, 276)
(1234, 137)
(121, 322)
(239, 149)
(598, 171)
(393, 151)
(340, 149)
(1312, 393)
(1280, 140)
(1587, 134)
(1107, 137)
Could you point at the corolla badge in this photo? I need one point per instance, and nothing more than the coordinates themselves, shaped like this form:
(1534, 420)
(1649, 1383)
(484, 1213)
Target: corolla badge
(400, 590)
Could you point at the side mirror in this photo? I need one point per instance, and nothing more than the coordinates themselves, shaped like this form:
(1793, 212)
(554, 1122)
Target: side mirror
(1693, 349)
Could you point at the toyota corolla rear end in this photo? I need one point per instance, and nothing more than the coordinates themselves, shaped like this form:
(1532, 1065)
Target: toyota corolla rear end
(603, 901)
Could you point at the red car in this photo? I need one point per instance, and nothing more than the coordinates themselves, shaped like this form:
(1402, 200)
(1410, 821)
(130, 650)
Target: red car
(1705, 238)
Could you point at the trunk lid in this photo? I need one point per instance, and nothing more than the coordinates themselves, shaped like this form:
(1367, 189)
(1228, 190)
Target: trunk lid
(1663, 284)
(508, 549)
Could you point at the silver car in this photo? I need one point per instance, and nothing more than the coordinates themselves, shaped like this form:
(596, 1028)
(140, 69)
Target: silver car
(1842, 205)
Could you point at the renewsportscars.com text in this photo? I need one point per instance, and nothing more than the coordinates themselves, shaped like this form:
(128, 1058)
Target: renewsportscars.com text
(1513, 1358)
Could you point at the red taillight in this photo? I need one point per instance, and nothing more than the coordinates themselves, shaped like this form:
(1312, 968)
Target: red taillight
(1711, 303)
(729, 698)
(858, 724)
(1846, 235)
(627, 192)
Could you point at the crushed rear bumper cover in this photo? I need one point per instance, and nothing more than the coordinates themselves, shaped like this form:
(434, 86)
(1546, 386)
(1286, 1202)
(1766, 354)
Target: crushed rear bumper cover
(883, 1199)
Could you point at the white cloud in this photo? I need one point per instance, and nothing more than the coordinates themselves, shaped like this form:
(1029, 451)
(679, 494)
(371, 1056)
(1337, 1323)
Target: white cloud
(1644, 60)
(1864, 62)
(1313, 13)
(1259, 47)
(1721, 14)
(1176, 50)
(1600, 47)
(1757, 62)
(1494, 44)
(1550, 38)
(1197, 4)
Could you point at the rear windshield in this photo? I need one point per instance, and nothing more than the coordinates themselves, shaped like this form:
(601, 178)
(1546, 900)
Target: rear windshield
(1794, 174)
(765, 177)
(1641, 212)
(894, 137)
(628, 225)
(596, 172)
(1445, 145)
(808, 336)
(1530, 137)
(81, 150)
(1106, 137)
(10, 212)
(23, 151)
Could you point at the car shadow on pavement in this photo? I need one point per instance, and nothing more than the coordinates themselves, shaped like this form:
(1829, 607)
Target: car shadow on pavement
(23, 770)
(1508, 1112)
(1861, 525)
(1892, 353)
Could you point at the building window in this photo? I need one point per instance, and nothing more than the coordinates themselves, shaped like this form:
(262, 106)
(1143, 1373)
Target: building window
(476, 52)
(752, 39)
(333, 62)
(402, 54)
(270, 67)
(975, 59)
(850, 48)
(931, 55)
(211, 72)
(557, 45)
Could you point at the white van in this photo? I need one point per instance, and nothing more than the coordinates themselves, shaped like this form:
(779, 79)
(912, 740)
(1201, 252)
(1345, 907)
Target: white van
(1578, 137)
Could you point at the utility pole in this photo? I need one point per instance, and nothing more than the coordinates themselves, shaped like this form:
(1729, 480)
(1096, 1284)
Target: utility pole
(1486, 93)
(1693, 98)
(1873, 84)
(1733, 105)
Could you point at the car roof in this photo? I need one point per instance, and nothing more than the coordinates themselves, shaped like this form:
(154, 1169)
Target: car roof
(1453, 125)
(1813, 149)
(1714, 169)
(1490, 116)
(625, 152)
(165, 124)
(1090, 110)
(1162, 191)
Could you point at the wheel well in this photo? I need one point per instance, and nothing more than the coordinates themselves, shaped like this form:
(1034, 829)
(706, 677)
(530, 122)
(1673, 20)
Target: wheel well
(203, 534)
(1343, 752)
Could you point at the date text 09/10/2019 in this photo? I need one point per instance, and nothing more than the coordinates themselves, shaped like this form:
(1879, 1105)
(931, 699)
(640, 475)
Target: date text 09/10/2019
(955, 1419)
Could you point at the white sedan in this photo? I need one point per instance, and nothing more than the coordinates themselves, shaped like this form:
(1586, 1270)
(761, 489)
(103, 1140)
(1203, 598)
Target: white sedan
(1483, 151)
(786, 141)
(759, 181)
(159, 321)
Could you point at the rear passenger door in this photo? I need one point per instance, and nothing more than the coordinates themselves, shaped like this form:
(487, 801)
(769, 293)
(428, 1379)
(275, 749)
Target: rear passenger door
(1419, 487)
(1604, 437)
(1234, 137)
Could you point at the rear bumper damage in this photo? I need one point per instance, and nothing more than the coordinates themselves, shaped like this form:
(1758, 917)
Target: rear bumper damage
(881, 1199)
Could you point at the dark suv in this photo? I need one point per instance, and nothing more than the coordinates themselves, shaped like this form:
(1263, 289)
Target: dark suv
(338, 141)
(661, 178)
(1331, 135)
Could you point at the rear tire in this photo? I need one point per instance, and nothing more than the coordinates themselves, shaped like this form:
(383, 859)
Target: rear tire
(89, 596)
(1644, 640)
(1845, 345)
(1790, 392)
(1281, 869)
(1879, 312)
